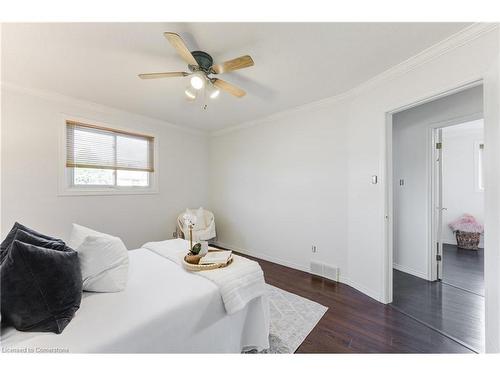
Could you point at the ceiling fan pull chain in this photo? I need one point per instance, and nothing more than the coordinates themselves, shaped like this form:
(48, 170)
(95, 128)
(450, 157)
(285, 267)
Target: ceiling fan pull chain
(205, 105)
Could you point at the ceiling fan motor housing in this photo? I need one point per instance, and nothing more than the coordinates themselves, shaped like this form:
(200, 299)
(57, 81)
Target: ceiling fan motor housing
(204, 60)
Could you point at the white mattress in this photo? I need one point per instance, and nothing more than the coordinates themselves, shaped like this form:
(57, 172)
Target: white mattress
(164, 309)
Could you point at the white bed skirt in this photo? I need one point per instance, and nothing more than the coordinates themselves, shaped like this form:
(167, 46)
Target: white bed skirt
(164, 309)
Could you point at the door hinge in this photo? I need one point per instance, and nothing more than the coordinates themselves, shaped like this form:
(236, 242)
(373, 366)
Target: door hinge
(438, 258)
(439, 145)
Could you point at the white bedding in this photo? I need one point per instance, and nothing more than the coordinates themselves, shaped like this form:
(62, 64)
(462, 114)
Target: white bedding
(238, 284)
(164, 309)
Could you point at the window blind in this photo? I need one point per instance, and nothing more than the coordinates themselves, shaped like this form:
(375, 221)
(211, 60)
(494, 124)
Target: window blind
(92, 146)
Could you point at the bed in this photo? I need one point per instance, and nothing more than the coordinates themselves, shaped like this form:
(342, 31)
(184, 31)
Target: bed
(164, 309)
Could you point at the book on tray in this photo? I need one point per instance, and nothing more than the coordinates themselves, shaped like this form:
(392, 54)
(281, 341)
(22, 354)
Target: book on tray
(216, 257)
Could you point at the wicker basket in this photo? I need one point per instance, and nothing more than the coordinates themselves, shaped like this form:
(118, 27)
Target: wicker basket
(468, 240)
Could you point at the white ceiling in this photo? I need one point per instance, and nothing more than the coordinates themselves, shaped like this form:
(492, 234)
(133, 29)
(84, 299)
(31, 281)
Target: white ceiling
(295, 63)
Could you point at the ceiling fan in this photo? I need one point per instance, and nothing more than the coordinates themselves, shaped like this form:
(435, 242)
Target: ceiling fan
(201, 66)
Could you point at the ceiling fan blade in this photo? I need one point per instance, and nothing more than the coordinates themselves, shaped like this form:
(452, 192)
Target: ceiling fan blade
(162, 75)
(177, 42)
(228, 87)
(234, 64)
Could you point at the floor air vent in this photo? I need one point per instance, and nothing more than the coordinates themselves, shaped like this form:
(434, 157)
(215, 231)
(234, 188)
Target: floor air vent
(325, 270)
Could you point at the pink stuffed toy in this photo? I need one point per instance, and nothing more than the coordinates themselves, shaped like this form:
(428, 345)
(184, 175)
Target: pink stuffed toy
(467, 223)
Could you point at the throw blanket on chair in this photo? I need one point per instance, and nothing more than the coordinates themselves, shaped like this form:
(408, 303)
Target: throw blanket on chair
(239, 283)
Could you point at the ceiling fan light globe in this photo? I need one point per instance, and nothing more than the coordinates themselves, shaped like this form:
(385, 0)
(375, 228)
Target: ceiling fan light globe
(197, 82)
(190, 94)
(214, 93)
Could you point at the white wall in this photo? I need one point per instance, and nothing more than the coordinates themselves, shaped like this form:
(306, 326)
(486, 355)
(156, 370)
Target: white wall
(365, 260)
(280, 187)
(31, 122)
(411, 163)
(460, 187)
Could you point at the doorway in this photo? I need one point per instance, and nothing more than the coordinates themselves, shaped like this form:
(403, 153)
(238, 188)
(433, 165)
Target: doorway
(437, 177)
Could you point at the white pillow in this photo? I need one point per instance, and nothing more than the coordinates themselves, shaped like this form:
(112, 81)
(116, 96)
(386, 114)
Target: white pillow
(103, 260)
(78, 234)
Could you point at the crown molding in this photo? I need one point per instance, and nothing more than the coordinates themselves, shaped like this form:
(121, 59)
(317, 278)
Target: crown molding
(456, 40)
(316, 105)
(92, 106)
(459, 39)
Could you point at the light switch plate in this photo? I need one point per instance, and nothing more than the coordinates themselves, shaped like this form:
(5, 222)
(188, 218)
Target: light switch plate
(374, 179)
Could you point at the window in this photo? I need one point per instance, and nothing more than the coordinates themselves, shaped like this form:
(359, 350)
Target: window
(104, 159)
(479, 166)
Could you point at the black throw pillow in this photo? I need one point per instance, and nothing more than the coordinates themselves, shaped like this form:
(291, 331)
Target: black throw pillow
(32, 239)
(10, 237)
(41, 289)
(37, 239)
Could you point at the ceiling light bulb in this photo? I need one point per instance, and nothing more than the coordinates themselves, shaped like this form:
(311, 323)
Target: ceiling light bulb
(190, 94)
(197, 81)
(214, 93)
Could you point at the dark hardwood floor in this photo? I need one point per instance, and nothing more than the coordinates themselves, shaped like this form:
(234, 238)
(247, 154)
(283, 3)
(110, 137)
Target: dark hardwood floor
(464, 268)
(354, 322)
(454, 311)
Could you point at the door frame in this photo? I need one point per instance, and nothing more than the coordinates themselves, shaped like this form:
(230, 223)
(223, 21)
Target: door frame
(389, 178)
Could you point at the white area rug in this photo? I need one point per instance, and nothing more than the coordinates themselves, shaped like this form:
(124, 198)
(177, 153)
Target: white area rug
(292, 319)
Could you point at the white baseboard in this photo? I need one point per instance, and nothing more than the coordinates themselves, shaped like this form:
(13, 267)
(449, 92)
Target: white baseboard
(363, 289)
(411, 271)
(262, 256)
(343, 279)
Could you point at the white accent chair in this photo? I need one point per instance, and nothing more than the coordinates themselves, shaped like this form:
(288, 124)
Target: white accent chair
(203, 230)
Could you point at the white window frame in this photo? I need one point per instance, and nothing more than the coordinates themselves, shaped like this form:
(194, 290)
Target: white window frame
(477, 167)
(65, 175)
